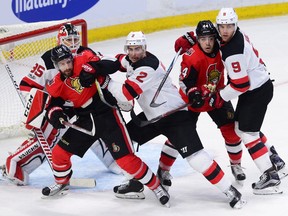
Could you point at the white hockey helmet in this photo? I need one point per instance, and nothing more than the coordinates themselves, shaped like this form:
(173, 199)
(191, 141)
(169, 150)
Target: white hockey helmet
(136, 39)
(227, 16)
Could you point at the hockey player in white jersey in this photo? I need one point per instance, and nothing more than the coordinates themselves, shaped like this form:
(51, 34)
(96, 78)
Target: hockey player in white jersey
(29, 155)
(144, 73)
(249, 81)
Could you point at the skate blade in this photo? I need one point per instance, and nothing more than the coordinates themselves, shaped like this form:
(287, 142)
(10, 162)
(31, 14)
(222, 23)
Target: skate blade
(240, 182)
(283, 173)
(167, 204)
(131, 195)
(268, 191)
(240, 204)
(57, 195)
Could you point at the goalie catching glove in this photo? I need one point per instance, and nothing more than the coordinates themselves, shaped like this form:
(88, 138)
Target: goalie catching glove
(55, 115)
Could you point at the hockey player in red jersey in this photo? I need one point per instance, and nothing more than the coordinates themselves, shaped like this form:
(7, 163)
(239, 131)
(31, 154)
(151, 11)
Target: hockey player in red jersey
(18, 167)
(144, 73)
(202, 71)
(75, 82)
(247, 75)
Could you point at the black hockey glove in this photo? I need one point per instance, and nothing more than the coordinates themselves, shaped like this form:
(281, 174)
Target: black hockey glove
(54, 115)
(87, 75)
(195, 97)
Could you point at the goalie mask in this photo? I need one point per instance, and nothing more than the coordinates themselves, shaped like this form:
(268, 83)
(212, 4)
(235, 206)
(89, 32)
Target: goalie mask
(69, 36)
(136, 39)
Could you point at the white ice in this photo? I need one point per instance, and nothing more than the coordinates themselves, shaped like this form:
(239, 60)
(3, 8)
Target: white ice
(190, 194)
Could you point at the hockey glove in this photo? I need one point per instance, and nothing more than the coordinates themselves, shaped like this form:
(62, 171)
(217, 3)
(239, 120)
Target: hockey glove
(186, 42)
(195, 97)
(216, 101)
(208, 90)
(87, 75)
(54, 115)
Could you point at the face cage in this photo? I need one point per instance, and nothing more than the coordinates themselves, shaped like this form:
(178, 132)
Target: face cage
(73, 42)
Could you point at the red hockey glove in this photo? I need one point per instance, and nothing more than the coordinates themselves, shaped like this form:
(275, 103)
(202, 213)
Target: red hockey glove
(208, 90)
(87, 75)
(186, 42)
(54, 115)
(195, 97)
(216, 100)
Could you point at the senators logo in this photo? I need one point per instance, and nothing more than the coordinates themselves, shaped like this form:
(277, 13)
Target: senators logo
(74, 84)
(213, 75)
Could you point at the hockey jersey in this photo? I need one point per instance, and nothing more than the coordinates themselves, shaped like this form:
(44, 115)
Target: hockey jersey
(245, 68)
(143, 80)
(70, 88)
(42, 72)
(198, 69)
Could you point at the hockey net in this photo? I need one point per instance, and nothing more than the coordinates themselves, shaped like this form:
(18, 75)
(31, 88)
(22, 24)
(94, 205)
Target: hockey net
(20, 47)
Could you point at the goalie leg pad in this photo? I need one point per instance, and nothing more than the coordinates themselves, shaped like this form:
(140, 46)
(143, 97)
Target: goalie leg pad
(100, 149)
(25, 160)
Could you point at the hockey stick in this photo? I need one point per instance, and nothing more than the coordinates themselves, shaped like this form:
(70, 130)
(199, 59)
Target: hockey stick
(141, 123)
(101, 95)
(39, 133)
(76, 127)
(153, 103)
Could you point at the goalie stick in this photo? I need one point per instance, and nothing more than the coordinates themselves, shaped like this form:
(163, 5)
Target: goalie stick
(153, 103)
(141, 123)
(38, 132)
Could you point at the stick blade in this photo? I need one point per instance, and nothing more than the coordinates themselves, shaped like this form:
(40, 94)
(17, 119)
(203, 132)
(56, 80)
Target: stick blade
(83, 182)
(153, 104)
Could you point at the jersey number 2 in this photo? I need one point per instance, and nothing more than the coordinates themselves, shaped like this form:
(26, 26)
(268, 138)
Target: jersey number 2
(141, 76)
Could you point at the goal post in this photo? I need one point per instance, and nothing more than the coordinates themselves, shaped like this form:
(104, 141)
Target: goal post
(21, 46)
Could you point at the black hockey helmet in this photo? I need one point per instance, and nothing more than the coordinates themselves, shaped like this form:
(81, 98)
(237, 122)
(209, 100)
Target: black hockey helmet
(205, 27)
(59, 53)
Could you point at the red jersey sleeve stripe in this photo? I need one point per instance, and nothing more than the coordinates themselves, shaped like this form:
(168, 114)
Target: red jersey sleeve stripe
(131, 89)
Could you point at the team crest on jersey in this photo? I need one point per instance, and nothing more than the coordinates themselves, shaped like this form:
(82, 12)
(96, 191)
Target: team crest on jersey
(74, 84)
(213, 75)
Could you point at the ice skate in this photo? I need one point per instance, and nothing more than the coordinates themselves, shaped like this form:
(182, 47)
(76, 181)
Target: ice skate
(238, 173)
(132, 189)
(278, 163)
(165, 178)
(55, 190)
(162, 195)
(235, 198)
(268, 184)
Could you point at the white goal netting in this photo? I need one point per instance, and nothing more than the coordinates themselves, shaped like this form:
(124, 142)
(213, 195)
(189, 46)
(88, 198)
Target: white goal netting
(20, 47)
